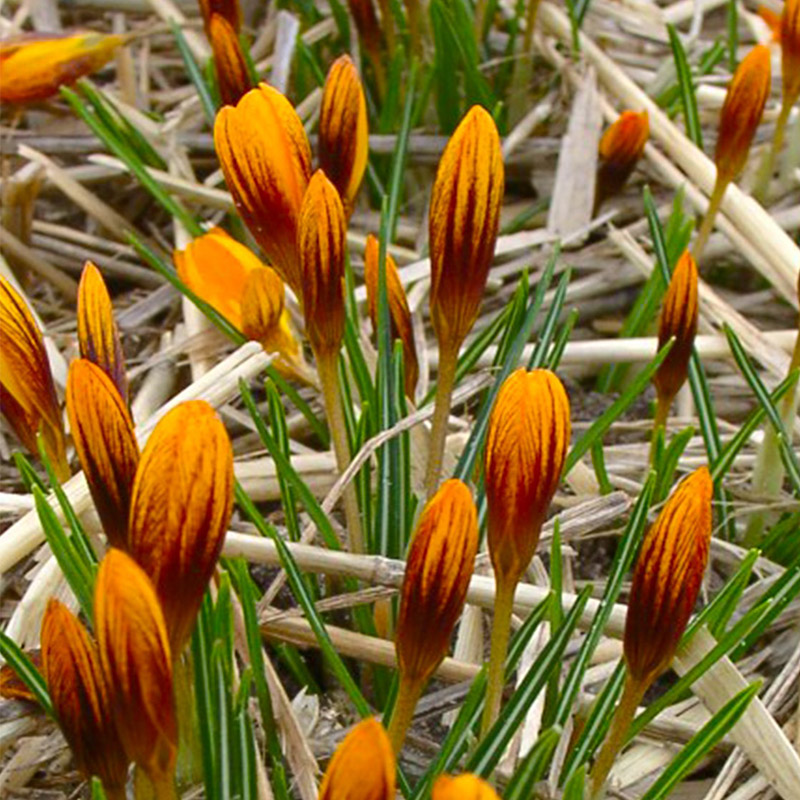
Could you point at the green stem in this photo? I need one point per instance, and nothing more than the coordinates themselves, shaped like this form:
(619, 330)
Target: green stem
(659, 423)
(632, 695)
(720, 185)
(408, 695)
(767, 166)
(329, 379)
(152, 786)
(441, 413)
(501, 630)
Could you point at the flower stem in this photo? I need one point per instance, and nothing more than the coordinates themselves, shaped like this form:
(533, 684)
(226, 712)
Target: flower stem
(632, 695)
(448, 360)
(767, 166)
(659, 423)
(329, 379)
(720, 185)
(152, 786)
(501, 630)
(408, 694)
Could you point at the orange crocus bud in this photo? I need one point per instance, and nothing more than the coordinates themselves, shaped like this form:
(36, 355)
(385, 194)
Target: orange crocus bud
(773, 21)
(71, 667)
(230, 66)
(463, 787)
(463, 224)
(363, 766)
(438, 571)
(137, 665)
(106, 445)
(343, 134)
(27, 393)
(215, 267)
(12, 687)
(180, 510)
(790, 51)
(667, 578)
(98, 335)
(678, 319)
(621, 147)
(33, 66)
(321, 244)
(741, 112)
(398, 309)
(369, 29)
(229, 10)
(265, 156)
(526, 445)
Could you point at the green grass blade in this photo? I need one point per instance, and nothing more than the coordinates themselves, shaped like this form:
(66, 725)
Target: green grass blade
(691, 116)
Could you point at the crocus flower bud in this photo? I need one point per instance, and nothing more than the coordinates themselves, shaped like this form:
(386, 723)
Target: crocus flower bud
(462, 787)
(526, 445)
(81, 700)
(265, 156)
(137, 664)
(106, 445)
(27, 393)
(98, 335)
(438, 570)
(180, 510)
(230, 66)
(463, 224)
(34, 66)
(399, 312)
(369, 29)
(679, 319)
(321, 243)
(363, 766)
(343, 134)
(621, 147)
(230, 10)
(741, 112)
(667, 578)
(790, 51)
(12, 687)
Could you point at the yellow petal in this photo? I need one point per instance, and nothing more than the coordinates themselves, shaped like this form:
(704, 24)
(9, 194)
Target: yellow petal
(34, 66)
(343, 133)
(621, 147)
(180, 510)
(363, 766)
(98, 335)
(438, 570)
(399, 312)
(463, 787)
(741, 112)
(667, 578)
(679, 319)
(71, 667)
(321, 245)
(233, 76)
(526, 446)
(28, 396)
(463, 224)
(106, 445)
(136, 663)
(264, 153)
(264, 318)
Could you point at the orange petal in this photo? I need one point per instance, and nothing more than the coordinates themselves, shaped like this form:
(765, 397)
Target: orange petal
(790, 51)
(526, 445)
(621, 147)
(71, 667)
(343, 133)
(399, 311)
(772, 19)
(667, 578)
(463, 224)
(106, 445)
(463, 787)
(12, 687)
(215, 267)
(438, 570)
(180, 510)
(363, 766)
(679, 319)
(136, 663)
(233, 76)
(741, 112)
(321, 244)
(368, 26)
(265, 156)
(34, 66)
(264, 318)
(98, 335)
(28, 394)
(230, 10)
